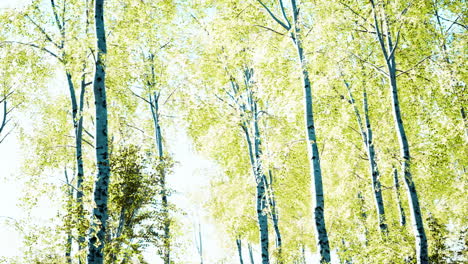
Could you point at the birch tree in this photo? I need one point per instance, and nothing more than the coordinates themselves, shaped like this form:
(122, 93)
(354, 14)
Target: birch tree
(100, 212)
(247, 106)
(366, 133)
(60, 46)
(294, 30)
(388, 47)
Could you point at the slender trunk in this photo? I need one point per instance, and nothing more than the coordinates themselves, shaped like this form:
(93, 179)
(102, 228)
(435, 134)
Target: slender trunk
(251, 254)
(97, 240)
(388, 50)
(80, 169)
(200, 248)
(68, 220)
(363, 217)
(261, 200)
(416, 215)
(261, 190)
(397, 190)
(239, 250)
(77, 112)
(366, 134)
(5, 113)
(374, 170)
(154, 101)
(465, 121)
(68, 248)
(316, 172)
(255, 156)
(262, 222)
(274, 216)
(165, 205)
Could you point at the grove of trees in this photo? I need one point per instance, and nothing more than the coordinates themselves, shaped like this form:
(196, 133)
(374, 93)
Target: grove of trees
(338, 129)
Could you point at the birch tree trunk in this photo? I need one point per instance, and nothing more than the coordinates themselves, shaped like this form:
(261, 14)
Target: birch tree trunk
(416, 215)
(251, 254)
(199, 244)
(397, 190)
(366, 135)
(77, 111)
(239, 250)
(261, 187)
(249, 122)
(374, 170)
(274, 215)
(68, 220)
(388, 51)
(363, 217)
(316, 171)
(154, 104)
(5, 115)
(97, 239)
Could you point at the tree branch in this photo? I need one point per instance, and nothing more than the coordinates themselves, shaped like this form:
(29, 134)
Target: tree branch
(43, 32)
(35, 46)
(284, 13)
(421, 61)
(273, 16)
(279, 33)
(370, 63)
(57, 21)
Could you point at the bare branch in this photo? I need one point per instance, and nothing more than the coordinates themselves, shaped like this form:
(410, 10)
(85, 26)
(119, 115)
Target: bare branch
(454, 22)
(35, 46)
(57, 21)
(279, 33)
(273, 16)
(89, 134)
(169, 97)
(396, 44)
(87, 142)
(421, 61)
(43, 32)
(370, 63)
(356, 13)
(6, 96)
(142, 98)
(379, 33)
(284, 13)
(198, 21)
(8, 133)
(4, 119)
(224, 101)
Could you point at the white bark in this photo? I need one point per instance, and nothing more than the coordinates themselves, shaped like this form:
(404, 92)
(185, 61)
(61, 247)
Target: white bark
(154, 105)
(397, 190)
(316, 171)
(239, 250)
(366, 134)
(374, 170)
(388, 51)
(97, 240)
(249, 124)
(251, 254)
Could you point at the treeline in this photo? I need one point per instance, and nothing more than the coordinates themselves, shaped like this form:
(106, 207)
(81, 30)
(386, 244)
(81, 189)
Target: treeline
(340, 127)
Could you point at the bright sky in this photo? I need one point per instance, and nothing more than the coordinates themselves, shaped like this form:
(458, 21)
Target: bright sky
(13, 3)
(9, 194)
